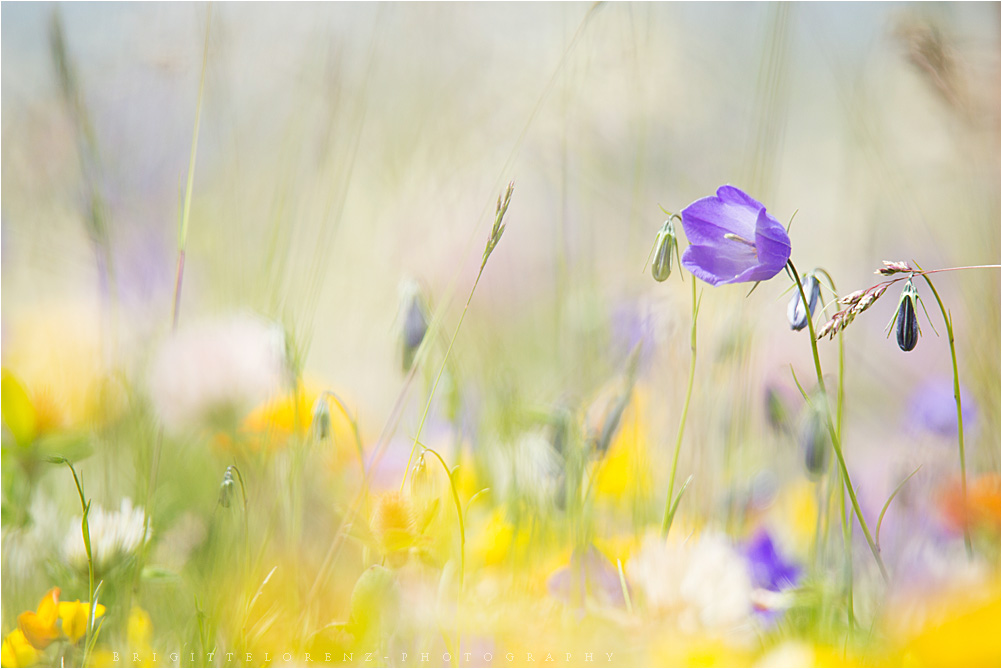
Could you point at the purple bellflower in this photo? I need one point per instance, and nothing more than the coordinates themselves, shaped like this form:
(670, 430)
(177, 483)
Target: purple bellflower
(732, 239)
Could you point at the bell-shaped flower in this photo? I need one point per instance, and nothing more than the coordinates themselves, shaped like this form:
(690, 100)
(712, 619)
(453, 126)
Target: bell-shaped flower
(732, 239)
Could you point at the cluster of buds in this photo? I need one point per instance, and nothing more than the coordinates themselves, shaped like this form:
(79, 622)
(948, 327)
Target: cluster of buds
(855, 303)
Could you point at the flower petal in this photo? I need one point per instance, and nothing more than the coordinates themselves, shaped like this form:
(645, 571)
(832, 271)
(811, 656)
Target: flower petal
(732, 195)
(39, 627)
(706, 221)
(773, 243)
(721, 264)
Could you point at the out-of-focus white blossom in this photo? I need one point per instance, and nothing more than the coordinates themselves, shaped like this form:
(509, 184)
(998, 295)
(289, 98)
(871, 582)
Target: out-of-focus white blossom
(702, 583)
(114, 535)
(529, 468)
(216, 369)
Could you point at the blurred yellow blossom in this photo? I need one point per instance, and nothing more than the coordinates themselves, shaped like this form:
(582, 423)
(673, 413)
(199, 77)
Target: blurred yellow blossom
(139, 634)
(395, 526)
(272, 423)
(74, 618)
(625, 470)
(39, 626)
(959, 628)
(55, 351)
(17, 652)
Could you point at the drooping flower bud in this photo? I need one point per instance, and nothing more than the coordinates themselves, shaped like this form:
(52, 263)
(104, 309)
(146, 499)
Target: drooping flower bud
(796, 313)
(415, 323)
(665, 244)
(320, 426)
(227, 488)
(815, 442)
(907, 320)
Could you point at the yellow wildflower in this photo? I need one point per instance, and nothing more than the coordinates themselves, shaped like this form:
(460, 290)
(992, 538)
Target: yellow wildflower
(961, 629)
(395, 526)
(139, 629)
(63, 372)
(74, 616)
(17, 652)
(272, 424)
(39, 626)
(625, 471)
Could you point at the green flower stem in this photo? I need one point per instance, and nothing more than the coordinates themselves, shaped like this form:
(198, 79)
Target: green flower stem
(839, 413)
(948, 319)
(847, 543)
(85, 530)
(666, 522)
(459, 513)
(836, 442)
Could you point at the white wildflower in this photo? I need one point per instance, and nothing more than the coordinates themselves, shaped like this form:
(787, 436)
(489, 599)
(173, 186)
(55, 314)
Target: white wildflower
(219, 368)
(702, 583)
(529, 468)
(114, 535)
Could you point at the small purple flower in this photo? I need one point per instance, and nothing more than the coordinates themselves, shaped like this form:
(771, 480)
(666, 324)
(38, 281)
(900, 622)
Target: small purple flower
(767, 567)
(732, 239)
(933, 408)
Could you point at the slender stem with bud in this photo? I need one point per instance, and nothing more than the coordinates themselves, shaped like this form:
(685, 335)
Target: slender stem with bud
(492, 241)
(836, 442)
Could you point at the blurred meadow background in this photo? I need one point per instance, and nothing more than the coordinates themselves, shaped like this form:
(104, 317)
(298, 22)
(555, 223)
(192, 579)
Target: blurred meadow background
(349, 160)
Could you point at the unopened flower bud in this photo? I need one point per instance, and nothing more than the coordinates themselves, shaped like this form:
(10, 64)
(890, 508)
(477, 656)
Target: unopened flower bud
(320, 426)
(796, 313)
(227, 488)
(415, 322)
(814, 440)
(664, 245)
(907, 319)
